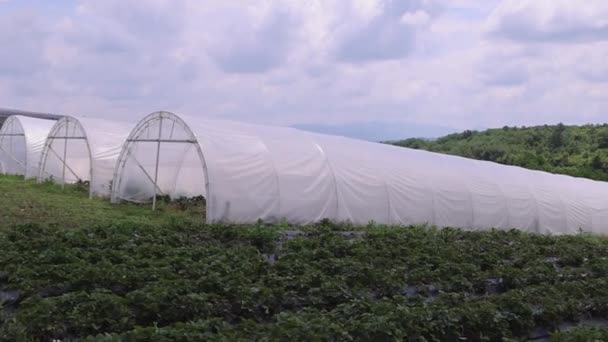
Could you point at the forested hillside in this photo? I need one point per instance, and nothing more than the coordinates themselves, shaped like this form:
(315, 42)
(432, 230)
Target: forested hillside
(580, 151)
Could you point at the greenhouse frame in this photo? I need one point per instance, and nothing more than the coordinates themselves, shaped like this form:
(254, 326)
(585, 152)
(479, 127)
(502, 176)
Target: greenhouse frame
(248, 172)
(81, 149)
(21, 142)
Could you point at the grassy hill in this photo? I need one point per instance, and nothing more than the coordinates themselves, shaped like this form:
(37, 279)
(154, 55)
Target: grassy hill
(73, 268)
(580, 151)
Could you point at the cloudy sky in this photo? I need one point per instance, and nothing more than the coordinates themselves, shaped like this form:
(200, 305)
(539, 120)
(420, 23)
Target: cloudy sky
(430, 65)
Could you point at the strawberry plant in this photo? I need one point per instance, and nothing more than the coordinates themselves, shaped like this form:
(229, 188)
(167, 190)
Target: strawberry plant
(327, 281)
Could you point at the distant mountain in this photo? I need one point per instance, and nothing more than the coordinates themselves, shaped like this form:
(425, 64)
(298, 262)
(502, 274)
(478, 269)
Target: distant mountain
(379, 130)
(580, 151)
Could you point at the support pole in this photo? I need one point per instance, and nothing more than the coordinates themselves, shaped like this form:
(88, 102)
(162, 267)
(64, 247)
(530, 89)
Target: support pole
(65, 153)
(160, 135)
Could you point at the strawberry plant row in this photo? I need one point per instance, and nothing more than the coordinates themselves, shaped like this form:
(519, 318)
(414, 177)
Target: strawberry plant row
(327, 281)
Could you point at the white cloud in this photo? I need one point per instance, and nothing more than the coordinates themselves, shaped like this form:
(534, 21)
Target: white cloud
(416, 18)
(462, 63)
(387, 31)
(551, 20)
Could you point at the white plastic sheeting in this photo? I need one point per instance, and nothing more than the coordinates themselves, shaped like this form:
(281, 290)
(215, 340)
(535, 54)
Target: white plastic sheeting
(250, 172)
(21, 142)
(84, 149)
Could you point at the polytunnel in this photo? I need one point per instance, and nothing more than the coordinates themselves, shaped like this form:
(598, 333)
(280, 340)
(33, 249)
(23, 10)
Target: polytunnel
(80, 149)
(21, 142)
(248, 172)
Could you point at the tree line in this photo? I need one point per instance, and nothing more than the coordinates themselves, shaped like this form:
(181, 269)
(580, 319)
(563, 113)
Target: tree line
(580, 151)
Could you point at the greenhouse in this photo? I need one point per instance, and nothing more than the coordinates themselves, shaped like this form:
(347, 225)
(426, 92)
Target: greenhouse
(248, 172)
(21, 142)
(83, 150)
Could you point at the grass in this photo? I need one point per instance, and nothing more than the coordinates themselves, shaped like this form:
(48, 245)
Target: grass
(73, 268)
(24, 201)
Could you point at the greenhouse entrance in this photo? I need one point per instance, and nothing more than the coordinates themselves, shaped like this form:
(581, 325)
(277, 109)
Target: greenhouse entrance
(13, 148)
(21, 142)
(161, 161)
(84, 151)
(66, 158)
